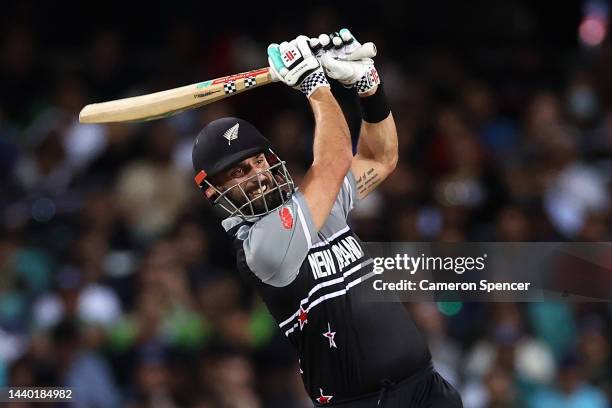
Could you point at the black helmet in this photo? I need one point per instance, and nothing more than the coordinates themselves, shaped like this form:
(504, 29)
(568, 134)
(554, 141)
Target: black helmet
(222, 144)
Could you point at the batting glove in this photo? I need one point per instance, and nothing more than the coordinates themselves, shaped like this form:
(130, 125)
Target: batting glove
(294, 64)
(345, 59)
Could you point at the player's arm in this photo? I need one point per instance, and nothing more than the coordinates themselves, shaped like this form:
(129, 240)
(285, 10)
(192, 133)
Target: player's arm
(275, 246)
(332, 143)
(332, 154)
(377, 152)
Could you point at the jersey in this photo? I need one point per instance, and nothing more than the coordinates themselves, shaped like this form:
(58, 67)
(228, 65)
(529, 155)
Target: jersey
(313, 283)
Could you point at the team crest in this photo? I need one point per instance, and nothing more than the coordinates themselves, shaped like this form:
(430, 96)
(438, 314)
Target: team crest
(231, 133)
(286, 217)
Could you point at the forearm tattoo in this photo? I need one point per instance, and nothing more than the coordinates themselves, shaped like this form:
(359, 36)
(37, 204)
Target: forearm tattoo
(367, 181)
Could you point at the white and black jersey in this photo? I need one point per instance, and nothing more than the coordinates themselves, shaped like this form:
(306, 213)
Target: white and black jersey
(313, 283)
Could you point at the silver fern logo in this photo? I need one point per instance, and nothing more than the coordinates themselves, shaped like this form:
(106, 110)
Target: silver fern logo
(231, 133)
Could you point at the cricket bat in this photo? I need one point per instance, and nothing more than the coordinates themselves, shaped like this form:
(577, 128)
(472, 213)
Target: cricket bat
(172, 101)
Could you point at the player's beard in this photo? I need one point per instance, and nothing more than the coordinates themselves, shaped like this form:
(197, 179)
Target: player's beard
(273, 196)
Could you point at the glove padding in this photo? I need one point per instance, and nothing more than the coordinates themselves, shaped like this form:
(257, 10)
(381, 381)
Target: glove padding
(341, 56)
(294, 64)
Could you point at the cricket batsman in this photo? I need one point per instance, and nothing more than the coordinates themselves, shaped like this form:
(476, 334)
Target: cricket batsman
(293, 245)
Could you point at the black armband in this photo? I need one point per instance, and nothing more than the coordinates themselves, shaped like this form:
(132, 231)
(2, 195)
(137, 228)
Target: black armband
(375, 108)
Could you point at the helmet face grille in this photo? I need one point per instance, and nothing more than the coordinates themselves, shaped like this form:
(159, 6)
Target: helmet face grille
(268, 199)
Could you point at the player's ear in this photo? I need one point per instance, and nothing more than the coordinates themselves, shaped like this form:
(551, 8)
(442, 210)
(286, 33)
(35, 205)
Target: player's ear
(213, 191)
(217, 181)
(210, 193)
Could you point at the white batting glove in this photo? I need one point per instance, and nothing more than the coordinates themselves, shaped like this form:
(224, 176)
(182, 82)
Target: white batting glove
(345, 59)
(294, 64)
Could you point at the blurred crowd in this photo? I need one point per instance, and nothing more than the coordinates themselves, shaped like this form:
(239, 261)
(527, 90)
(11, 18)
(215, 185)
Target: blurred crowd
(116, 278)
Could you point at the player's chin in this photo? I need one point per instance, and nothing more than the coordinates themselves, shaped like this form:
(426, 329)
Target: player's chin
(272, 201)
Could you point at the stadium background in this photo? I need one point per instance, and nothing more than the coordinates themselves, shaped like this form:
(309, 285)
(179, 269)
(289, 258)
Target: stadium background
(116, 279)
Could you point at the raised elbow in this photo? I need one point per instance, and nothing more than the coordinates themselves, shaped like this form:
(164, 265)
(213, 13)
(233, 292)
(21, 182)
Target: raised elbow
(336, 165)
(392, 162)
(342, 157)
(337, 161)
(389, 162)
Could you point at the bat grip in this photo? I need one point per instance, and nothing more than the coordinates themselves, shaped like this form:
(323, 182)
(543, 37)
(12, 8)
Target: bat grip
(367, 50)
(273, 76)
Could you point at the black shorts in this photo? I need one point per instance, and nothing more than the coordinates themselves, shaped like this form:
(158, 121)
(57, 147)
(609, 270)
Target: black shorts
(424, 389)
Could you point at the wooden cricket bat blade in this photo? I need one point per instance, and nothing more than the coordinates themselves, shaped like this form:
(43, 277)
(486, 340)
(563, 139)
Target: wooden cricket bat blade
(172, 101)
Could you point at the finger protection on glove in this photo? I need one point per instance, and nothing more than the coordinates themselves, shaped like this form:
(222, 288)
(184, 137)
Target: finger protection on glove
(367, 50)
(342, 71)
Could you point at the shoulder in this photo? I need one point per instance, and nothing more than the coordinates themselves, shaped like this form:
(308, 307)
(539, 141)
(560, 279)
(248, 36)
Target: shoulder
(274, 246)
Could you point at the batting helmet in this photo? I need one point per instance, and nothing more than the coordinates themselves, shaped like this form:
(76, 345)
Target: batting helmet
(224, 143)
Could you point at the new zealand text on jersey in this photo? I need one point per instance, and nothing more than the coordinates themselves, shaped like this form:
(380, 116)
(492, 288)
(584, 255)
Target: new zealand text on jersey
(345, 252)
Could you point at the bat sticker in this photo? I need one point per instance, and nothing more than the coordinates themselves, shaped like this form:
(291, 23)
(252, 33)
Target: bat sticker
(240, 76)
(229, 87)
(204, 84)
(205, 94)
(249, 82)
